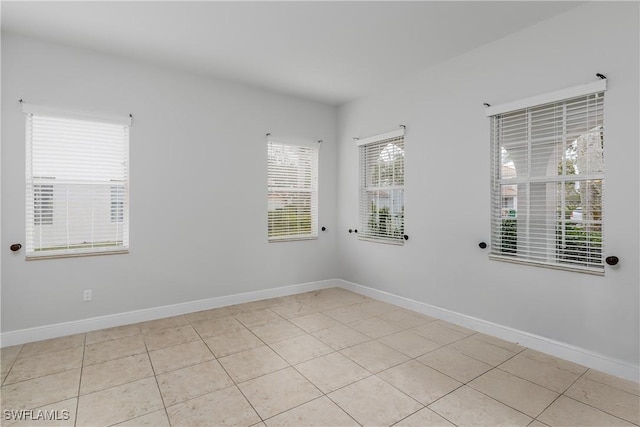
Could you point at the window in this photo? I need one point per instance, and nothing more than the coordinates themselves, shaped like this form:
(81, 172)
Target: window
(547, 181)
(76, 183)
(292, 192)
(382, 188)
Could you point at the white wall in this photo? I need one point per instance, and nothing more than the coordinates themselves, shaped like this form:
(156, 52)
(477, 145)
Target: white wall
(198, 187)
(447, 183)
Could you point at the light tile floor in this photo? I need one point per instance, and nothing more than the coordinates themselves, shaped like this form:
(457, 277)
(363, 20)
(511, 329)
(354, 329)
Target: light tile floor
(323, 358)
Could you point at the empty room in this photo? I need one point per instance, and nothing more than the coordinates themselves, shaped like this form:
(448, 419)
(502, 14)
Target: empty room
(320, 213)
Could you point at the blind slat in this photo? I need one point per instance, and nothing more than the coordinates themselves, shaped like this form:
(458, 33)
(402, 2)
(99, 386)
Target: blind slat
(547, 184)
(382, 190)
(292, 182)
(77, 177)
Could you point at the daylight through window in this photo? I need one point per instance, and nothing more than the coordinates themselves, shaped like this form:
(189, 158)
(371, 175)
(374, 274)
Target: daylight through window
(292, 192)
(548, 172)
(77, 181)
(382, 188)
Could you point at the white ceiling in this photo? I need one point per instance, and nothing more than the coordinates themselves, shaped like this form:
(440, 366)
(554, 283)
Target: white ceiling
(328, 51)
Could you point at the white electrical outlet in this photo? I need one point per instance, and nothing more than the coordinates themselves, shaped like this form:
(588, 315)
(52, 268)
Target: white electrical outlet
(87, 295)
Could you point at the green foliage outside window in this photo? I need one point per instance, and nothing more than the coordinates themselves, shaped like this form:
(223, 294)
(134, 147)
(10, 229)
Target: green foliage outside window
(289, 220)
(509, 236)
(383, 224)
(579, 244)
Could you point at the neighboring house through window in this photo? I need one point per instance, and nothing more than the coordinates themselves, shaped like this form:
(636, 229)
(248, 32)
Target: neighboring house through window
(117, 203)
(72, 163)
(382, 188)
(292, 192)
(42, 203)
(547, 179)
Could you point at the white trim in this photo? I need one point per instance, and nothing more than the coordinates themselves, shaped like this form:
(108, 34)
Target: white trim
(565, 351)
(36, 256)
(38, 333)
(292, 238)
(381, 137)
(397, 241)
(294, 142)
(556, 348)
(552, 265)
(80, 115)
(545, 98)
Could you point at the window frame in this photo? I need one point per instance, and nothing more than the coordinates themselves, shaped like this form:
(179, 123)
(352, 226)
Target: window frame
(394, 218)
(563, 235)
(59, 131)
(305, 187)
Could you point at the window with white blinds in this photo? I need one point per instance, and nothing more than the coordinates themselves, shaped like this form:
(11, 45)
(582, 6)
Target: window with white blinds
(292, 192)
(382, 188)
(77, 184)
(547, 182)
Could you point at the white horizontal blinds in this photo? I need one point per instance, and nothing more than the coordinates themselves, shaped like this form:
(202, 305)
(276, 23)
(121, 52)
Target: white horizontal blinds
(547, 184)
(292, 192)
(77, 178)
(382, 190)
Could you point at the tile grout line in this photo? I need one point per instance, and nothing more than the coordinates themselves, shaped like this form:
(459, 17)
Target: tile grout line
(585, 403)
(296, 370)
(84, 349)
(9, 371)
(617, 388)
(524, 379)
(234, 382)
(155, 377)
(271, 310)
(267, 345)
(530, 381)
(323, 394)
(289, 366)
(341, 408)
(372, 339)
(429, 409)
(463, 384)
(49, 374)
(596, 408)
(46, 375)
(499, 401)
(13, 362)
(5, 384)
(559, 395)
(415, 359)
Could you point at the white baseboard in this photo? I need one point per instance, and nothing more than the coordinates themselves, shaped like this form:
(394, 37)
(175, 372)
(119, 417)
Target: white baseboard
(565, 351)
(559, 349)
(101, 322)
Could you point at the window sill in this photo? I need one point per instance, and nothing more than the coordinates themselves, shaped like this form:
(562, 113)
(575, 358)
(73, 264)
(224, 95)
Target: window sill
(74, 255)
(554, 266)
(291, 239)
(386, 241)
